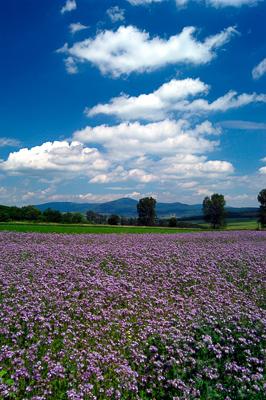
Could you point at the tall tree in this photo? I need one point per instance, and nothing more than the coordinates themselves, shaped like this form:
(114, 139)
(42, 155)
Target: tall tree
(30, 213)
(214, 210)
(51, 215)
(113, 220)
(146, 211)
(262, 212)
(172, 223)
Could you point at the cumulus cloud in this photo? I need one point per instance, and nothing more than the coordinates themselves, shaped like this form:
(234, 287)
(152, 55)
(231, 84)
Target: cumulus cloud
(70, 5)
(128, 140)
(116, 14)
(262, 170)
(77, 27)
(172, 97)
(229, 101)
(8, 142)
(192, 165)
(153, 106)
(259, 70)
(156, 152)
(169, 169)
(130, 50)
(128, 152)
(56, 157)
(120, 174)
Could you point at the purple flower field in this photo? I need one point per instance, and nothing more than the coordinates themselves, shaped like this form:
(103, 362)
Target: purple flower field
(133, 316)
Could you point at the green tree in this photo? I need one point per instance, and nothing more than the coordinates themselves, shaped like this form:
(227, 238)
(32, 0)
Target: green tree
(262, 211)
(113, 220)
(95, 218)
(15, 213)
(4, 214)
(77, 218)
(30, 213)
(172, 223)
(214, 210)
(67, 218)
(146, 208)
(51, 215)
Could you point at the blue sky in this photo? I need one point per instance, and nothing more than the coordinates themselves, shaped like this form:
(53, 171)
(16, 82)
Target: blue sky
(127, 98)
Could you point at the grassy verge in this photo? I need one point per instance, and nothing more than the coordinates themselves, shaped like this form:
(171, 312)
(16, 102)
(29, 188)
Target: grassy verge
(101, 229)
(95, 229)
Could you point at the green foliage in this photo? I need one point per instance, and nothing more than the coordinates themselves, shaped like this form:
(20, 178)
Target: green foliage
(77, 218)
(95, 218)
(262, 211)
(67, 218)
(33, 214)
(214, 210)
(113, 220)
(4, 215)
(52, 215)
(146, 211)
(30, 213)
(172, 222)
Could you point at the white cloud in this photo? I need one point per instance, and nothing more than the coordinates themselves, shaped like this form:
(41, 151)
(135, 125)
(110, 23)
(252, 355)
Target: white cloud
(128, 140)
(232, 3)
(262, 170)
(142, 2)
(56, 157)
(3, 192)
(259, 70)
(77, 27)
(87, 197)
(190, 165)
(153, 106)
(229, 101)
(243, 125)
(116, 14)
(130, 50)
(71, 66)
(214, 3)
(8, 142)
(129, 152)
(239, 197)
(120, 174)
(170, 98)
(70, 5)
(156, 152)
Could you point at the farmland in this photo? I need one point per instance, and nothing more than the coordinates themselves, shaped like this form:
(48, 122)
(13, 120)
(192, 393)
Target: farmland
(237, 224)
(132, 316)
(91, 229)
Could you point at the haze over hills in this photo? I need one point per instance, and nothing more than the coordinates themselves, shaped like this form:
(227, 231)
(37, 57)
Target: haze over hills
(127, 207)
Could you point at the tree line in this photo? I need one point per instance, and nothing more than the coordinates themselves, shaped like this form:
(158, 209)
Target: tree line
(33, 214)
(213, 208)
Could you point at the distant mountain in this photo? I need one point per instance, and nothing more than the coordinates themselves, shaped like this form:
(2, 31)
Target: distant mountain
(128, 208)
